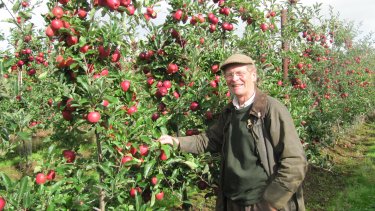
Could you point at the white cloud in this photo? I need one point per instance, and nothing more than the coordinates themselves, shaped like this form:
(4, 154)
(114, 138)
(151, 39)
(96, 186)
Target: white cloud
(361, 12)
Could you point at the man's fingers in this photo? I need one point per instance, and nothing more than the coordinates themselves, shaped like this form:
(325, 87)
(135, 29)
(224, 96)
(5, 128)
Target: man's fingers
(164, 139)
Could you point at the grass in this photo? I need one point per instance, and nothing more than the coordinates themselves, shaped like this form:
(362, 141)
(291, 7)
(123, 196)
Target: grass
(350, 185)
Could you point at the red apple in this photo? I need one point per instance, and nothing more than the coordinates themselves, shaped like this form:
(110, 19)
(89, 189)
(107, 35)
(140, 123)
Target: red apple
(177, 15)
(154, 180)
(126, 159)
(150, 81)
(71, 40)
(68, 105)
(167, 84)
(67, 115)
(51, 175)
(132, 110)
(93, 117)
(130, 9)
(104, 72)
(63, 1)
(25, 4)
(113, 4)
(155, 116)
(40, 178)
(143, 150)
(84, 48)
(300, 66)
(116, 56)
(212, 28)
(201, 40)
(133, 192)
(162, 91)
(2, 203)
(176, 94)
(105, 103)
(27, 38)
(125, 3)
(69, 156)
(172, 68)
(159, 196)
(31, 72)
(209, 115)
(194, 106)
(264, 27)
(56, 24)
(190, 132)
(225, 11)
(82, 13)
(133, 150)
(213, 19)
(58, 12)
(103, 53)
(162, 155)
(213, 84)
(125, 85)
(215, 68)
(49, 32)
(202, 185)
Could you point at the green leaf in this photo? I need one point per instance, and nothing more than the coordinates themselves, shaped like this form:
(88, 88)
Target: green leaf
(152, 199)
(167, 149)
(192, 165)
(23, 187)
(164, 130)
(37, 169)
(51, 206)
(27, 200)
(24, 136)
(83, 82)
(16, 6)
(6, 181)
(43, 75)
(57, 186)
(137, 202)
(106, 170)
(112, 99)
(148, 167)
(51, 148)
(25, 15)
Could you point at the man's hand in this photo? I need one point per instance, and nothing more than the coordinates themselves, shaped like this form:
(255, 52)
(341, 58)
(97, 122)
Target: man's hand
(166, 139)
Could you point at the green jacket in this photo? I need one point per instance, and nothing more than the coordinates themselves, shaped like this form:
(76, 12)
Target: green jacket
(278, 145)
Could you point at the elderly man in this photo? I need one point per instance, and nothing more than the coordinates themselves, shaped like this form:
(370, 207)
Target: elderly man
(263, 161)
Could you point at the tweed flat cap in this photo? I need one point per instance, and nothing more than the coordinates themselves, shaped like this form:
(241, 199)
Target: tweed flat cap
(236, 59)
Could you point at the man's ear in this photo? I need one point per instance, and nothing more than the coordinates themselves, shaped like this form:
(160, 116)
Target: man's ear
(255, 76)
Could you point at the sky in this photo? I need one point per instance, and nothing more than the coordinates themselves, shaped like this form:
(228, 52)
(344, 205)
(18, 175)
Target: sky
(361, 12)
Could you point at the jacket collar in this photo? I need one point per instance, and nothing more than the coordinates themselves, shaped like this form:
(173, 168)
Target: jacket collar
(260, 104)
(258, 109)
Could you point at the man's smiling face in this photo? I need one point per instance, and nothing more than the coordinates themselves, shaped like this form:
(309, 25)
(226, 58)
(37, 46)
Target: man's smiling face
(241, 79)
